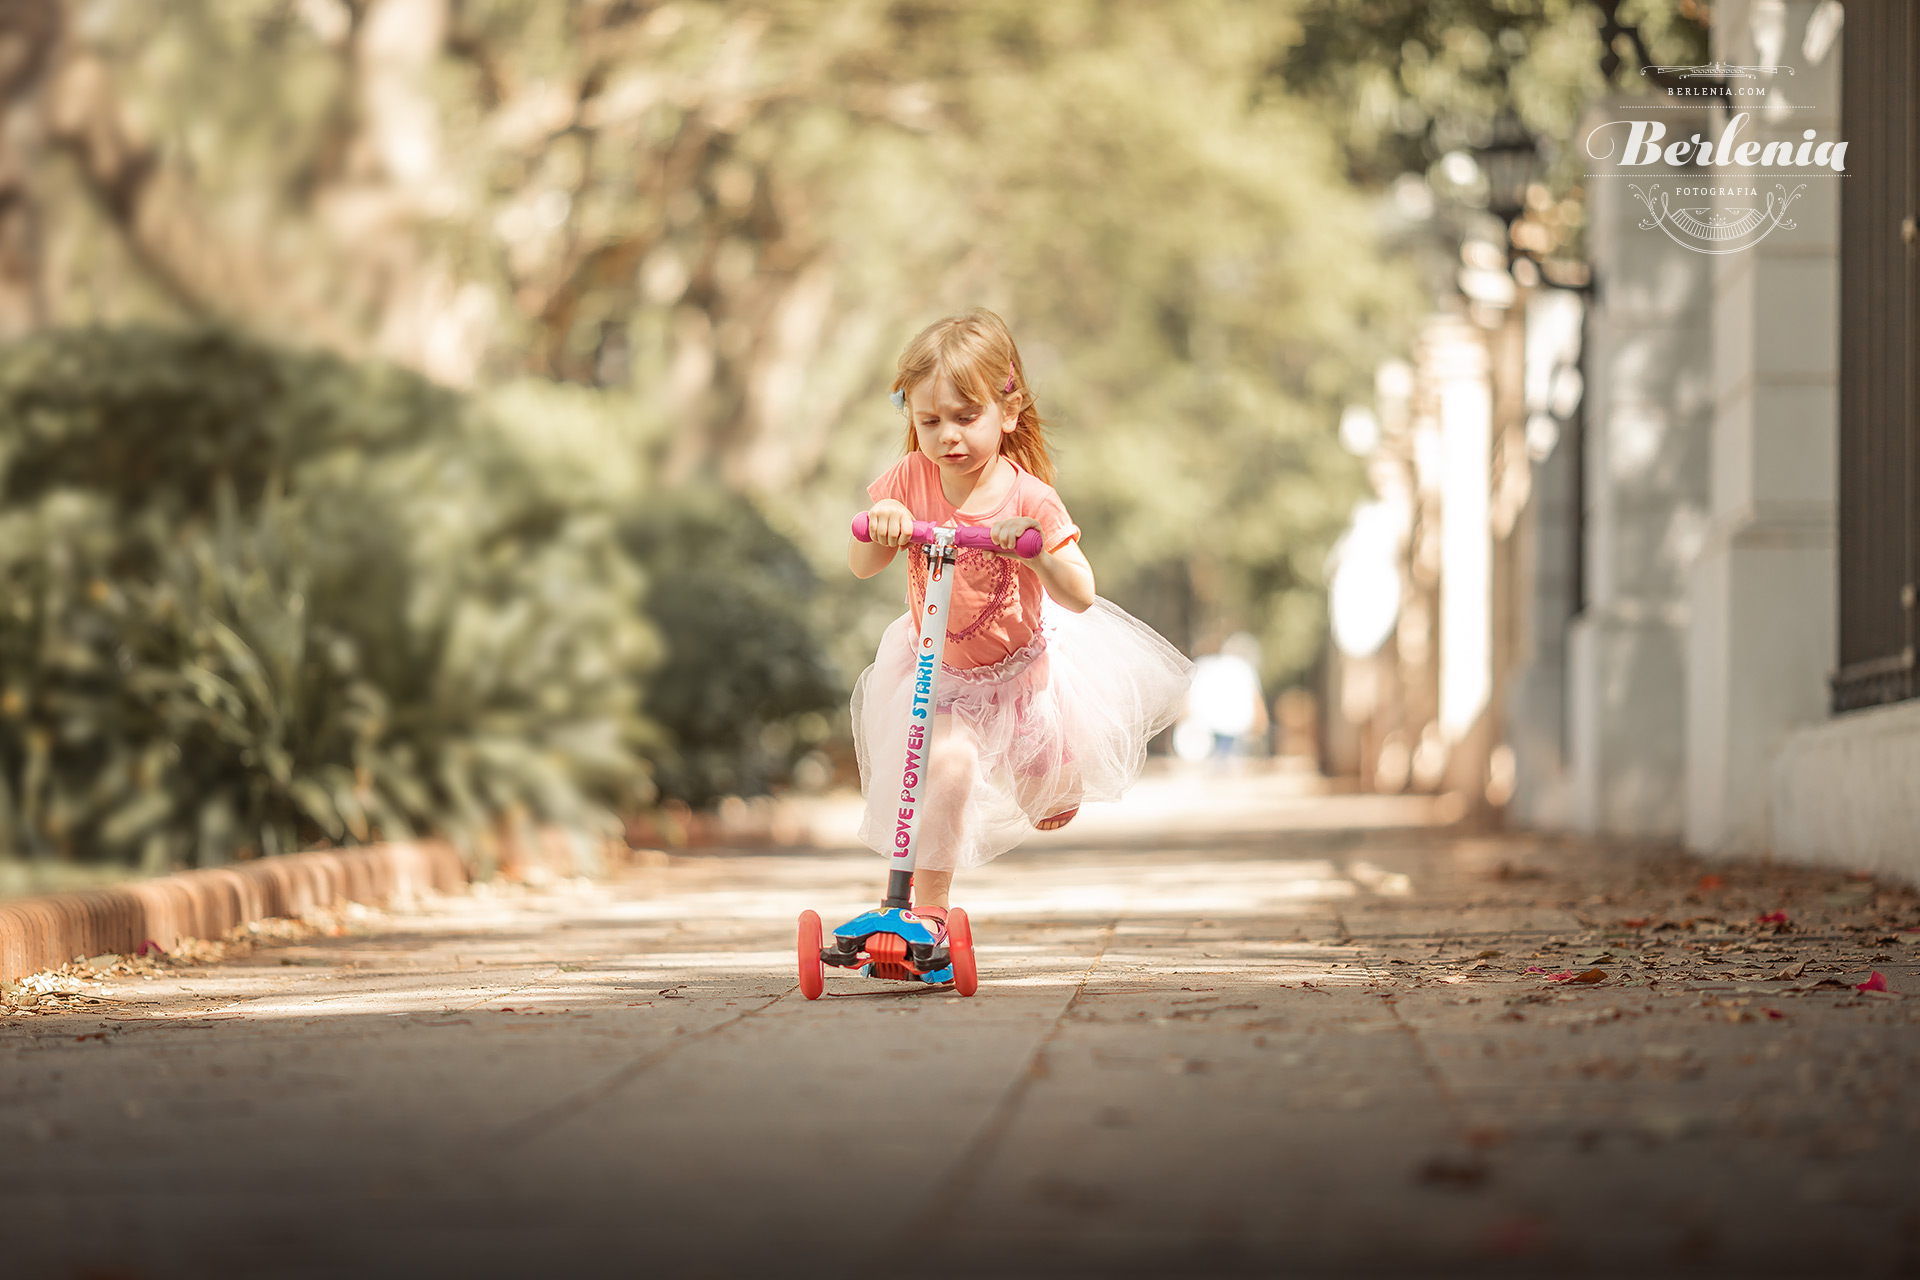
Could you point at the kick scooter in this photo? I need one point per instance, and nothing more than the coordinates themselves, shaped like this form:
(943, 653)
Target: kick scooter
(891, 941)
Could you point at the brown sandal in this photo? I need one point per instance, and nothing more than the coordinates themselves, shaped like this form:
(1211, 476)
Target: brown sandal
(1057, 821)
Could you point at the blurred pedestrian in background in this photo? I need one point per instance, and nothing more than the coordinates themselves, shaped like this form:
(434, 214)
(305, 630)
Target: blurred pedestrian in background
(1225, 706)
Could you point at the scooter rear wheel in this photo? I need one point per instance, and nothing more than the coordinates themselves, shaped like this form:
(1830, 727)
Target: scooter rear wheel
(966, 975)
(812, 980)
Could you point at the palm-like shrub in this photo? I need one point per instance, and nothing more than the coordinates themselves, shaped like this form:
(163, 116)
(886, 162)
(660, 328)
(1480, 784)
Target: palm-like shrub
(249, 599)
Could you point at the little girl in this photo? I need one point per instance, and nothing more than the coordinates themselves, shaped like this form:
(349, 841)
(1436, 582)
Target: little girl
(1048, 693)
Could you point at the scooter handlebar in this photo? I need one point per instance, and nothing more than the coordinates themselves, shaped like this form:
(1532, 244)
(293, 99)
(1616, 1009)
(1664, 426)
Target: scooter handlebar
(973, 535)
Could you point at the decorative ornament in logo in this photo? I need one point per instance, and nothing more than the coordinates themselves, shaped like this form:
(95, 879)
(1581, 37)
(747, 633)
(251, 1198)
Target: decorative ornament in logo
(1707, 229)
(1718, 78)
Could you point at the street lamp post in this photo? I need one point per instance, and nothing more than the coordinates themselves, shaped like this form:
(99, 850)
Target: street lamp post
(1511, 159)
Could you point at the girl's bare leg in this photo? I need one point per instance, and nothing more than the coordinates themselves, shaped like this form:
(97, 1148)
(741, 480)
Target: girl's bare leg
(951, 769)
(930, 889)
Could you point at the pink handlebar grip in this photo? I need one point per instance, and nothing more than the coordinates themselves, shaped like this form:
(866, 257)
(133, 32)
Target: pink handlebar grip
(973, 535)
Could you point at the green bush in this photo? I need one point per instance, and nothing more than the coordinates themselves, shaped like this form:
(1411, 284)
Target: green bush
(745, 685)
(254, 598)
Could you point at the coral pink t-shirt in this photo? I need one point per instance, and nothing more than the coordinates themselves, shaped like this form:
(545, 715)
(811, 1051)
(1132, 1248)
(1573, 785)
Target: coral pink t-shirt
(996, 598)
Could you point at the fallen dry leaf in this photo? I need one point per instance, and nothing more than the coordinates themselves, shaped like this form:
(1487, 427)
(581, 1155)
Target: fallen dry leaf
(1709, 882)
(1453, 1171)
(1584, 976)
(1517, 1237)
(1507, 871)
(1789, 973)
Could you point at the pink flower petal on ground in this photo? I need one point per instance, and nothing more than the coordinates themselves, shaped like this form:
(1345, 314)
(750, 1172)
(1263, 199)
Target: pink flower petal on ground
(1877, 982)
(1774, 1013)
(1774, 917)
(1560, 977)
(1534, 968)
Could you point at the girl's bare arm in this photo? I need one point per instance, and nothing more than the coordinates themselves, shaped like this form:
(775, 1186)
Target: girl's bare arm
(889, 527)
(1065, 573)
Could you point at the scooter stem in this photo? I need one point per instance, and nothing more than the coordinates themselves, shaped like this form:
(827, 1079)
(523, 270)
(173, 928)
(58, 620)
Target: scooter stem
(929, 649)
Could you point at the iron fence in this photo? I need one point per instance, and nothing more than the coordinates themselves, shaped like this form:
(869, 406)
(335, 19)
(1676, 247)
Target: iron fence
(1879, 526)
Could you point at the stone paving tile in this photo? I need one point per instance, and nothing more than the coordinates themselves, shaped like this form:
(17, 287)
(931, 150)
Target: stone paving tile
(1297, 1037)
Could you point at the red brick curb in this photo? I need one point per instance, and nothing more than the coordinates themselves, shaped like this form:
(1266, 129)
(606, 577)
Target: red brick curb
(39, 933)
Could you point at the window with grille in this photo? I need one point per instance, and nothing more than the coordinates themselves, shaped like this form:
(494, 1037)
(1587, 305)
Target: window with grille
(1879, 526)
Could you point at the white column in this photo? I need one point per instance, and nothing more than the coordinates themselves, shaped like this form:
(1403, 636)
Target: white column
(1763, 603)
(1649, 401)
(1549, 529)
(1457, 358)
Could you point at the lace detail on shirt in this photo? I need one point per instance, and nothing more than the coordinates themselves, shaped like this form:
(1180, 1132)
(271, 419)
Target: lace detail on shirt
(999, 574)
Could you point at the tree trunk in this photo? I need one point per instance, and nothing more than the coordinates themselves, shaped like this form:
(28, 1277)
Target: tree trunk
(29, 32)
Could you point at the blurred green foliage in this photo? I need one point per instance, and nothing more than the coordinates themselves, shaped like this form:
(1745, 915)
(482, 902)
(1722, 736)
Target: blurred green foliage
(655, 263)
(1405, 82)
(255, 599)
(744, 685)
(729, 217)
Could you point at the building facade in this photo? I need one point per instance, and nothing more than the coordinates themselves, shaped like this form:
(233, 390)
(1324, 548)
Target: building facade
(1741, 672)
(1844, 783)
(1693, 617)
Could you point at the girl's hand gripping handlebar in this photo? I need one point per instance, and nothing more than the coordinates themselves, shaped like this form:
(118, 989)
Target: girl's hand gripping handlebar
(973, 535)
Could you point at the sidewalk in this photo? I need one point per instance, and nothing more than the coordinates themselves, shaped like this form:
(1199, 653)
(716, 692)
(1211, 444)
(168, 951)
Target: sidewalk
(1226, 1029)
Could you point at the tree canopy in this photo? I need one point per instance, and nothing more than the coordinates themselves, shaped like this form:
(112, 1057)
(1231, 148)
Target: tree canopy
(731, 216)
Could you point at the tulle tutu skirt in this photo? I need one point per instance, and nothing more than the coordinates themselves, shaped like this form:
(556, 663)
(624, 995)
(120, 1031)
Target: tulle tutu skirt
(1062, 721)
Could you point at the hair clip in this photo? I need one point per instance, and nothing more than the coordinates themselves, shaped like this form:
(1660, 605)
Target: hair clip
(899, 398)
(1008, 389)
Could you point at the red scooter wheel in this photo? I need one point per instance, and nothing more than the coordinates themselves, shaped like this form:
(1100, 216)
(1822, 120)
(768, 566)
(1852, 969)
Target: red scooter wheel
(966, 975)
(812, 980)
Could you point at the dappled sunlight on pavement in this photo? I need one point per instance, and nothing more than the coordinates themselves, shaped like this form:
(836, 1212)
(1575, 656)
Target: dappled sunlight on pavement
(1202, 1049)
(1252, 798)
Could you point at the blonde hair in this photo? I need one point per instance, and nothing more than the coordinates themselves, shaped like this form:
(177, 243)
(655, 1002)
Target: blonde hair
(976, 350)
